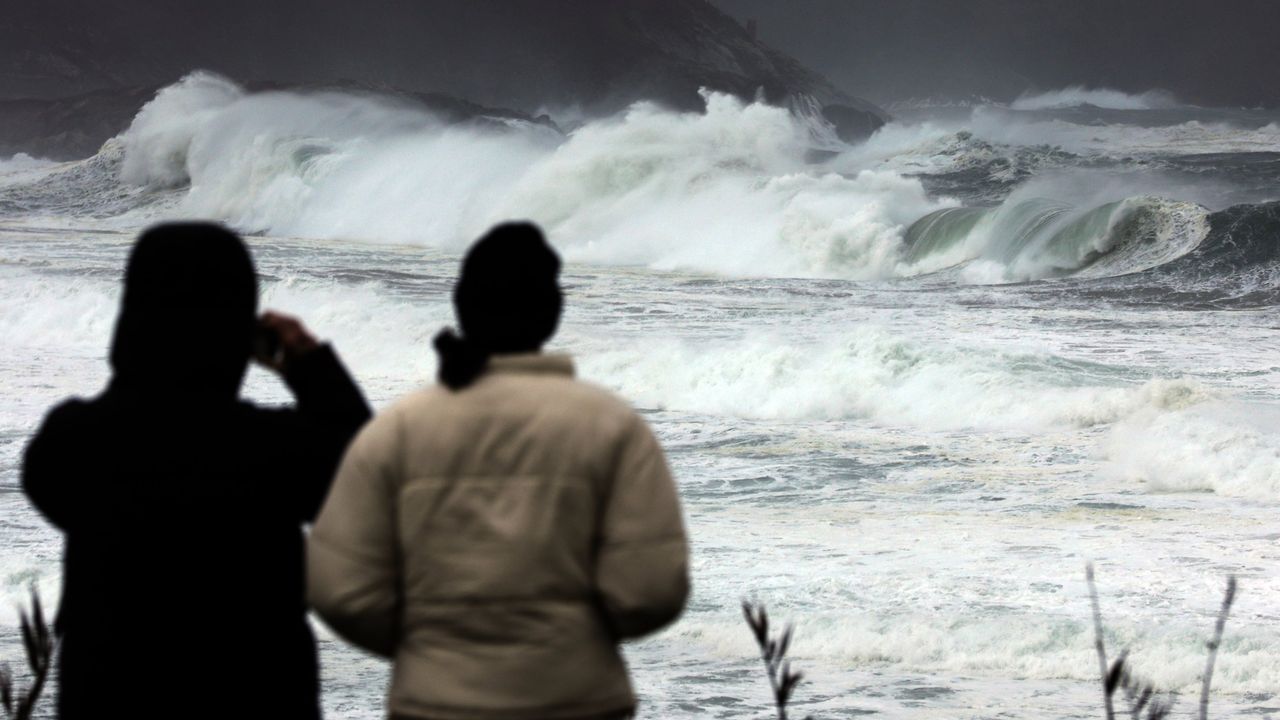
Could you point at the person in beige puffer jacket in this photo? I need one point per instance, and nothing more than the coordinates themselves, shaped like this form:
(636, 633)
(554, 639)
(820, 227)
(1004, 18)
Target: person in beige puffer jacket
(499, 533)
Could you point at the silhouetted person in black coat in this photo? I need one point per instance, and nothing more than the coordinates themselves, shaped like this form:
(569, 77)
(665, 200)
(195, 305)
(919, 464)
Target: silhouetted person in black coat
(183, 583)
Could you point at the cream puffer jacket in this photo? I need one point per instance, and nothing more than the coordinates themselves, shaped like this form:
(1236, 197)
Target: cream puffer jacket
(499, 541)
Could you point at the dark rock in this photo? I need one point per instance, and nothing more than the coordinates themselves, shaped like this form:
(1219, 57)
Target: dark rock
(853, 124)
(596, 57)
(517, 53)
(68, 128)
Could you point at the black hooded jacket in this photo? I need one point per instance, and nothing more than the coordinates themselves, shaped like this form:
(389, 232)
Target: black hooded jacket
(182, 506)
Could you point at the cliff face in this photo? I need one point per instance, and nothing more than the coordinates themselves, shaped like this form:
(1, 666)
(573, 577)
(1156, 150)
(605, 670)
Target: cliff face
(507, 52)
(593, 56)
(678, 46)
(68, 128)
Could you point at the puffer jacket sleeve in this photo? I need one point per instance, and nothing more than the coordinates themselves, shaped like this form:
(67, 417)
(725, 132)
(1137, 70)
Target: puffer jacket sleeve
(353, 575)
(642, 565)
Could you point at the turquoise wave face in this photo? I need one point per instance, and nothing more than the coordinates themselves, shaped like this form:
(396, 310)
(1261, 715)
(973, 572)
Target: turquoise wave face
(1042, 238)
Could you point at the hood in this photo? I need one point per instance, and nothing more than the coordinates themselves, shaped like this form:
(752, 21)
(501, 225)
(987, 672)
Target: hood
(188, 314)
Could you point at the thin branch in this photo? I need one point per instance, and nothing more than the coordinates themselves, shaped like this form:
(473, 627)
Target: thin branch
(39, 644)
(1215, 643)
(782, 679)
(1107, 688)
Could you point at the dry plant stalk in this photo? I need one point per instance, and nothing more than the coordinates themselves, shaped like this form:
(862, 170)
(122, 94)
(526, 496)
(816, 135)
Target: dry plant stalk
(39, 642)
(1215, 643)
(1141, 694)
(773, 651)
(1098, 642)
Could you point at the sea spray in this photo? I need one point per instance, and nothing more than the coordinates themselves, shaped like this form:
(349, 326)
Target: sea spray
(731, 190)
(725, 190)
(1227, 448)
(869, 373)
(1078, 95)
(158, 142)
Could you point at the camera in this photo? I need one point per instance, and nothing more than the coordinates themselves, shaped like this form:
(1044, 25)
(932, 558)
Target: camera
(266, 344)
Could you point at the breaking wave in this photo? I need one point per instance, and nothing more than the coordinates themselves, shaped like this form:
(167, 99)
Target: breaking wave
(1040, 238)
(21, 162)
(728, 190)
(867, 372)
(733, 190)
(1078, 96)
(1240, 258)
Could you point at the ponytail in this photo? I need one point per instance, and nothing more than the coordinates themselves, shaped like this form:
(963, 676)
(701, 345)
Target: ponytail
(507, 300)
(461, 361)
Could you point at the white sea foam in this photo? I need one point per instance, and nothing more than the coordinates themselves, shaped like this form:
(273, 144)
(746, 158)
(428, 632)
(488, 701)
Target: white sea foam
(1078, 95)
(914, 474)
(1192, 137)
(867, 372)
(22, 161)
(731, 190)
(53, 313)
(22, 169)
(158, 142)
(862, 371)
(1035, 645)
(726, 190)
(1230, 449)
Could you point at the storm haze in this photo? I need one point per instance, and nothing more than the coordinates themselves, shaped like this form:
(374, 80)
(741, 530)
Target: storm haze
(526, 53)
(517, 53)
(78, 71)
(1206, 53)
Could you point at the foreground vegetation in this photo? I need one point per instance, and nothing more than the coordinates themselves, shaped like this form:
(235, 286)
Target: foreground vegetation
(1140, 698)
(1139, 695)
(39, 642)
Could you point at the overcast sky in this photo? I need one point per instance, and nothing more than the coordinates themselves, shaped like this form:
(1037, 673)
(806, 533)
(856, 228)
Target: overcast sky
(524, 51)
(1205, 51)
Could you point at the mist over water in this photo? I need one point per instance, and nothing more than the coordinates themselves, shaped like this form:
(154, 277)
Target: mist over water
(1079, 95)
(625, 190)
(908, 386)
(631, 189)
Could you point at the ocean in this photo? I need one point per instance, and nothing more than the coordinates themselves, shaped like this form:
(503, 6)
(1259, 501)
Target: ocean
(908, 387)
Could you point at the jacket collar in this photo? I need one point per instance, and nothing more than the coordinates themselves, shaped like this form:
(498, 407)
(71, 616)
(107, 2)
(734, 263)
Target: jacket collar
(532, 363)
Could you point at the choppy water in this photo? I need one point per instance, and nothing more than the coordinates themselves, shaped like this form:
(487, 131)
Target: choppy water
(908, 440)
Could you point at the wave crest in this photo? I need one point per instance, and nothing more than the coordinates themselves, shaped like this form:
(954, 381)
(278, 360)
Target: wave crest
(871, 373)
(1079, 96)
(1035, 238)
(729, 190)
(157, 143)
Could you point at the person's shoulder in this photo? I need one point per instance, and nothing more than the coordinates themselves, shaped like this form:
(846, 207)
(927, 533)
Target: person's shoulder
(73, 420)
(603, 408)
(71, 412)
(600, 397)
(74, 406)
(423, 403)
(429, 398)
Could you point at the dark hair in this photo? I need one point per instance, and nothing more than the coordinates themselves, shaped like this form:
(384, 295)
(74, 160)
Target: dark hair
(507, 300)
